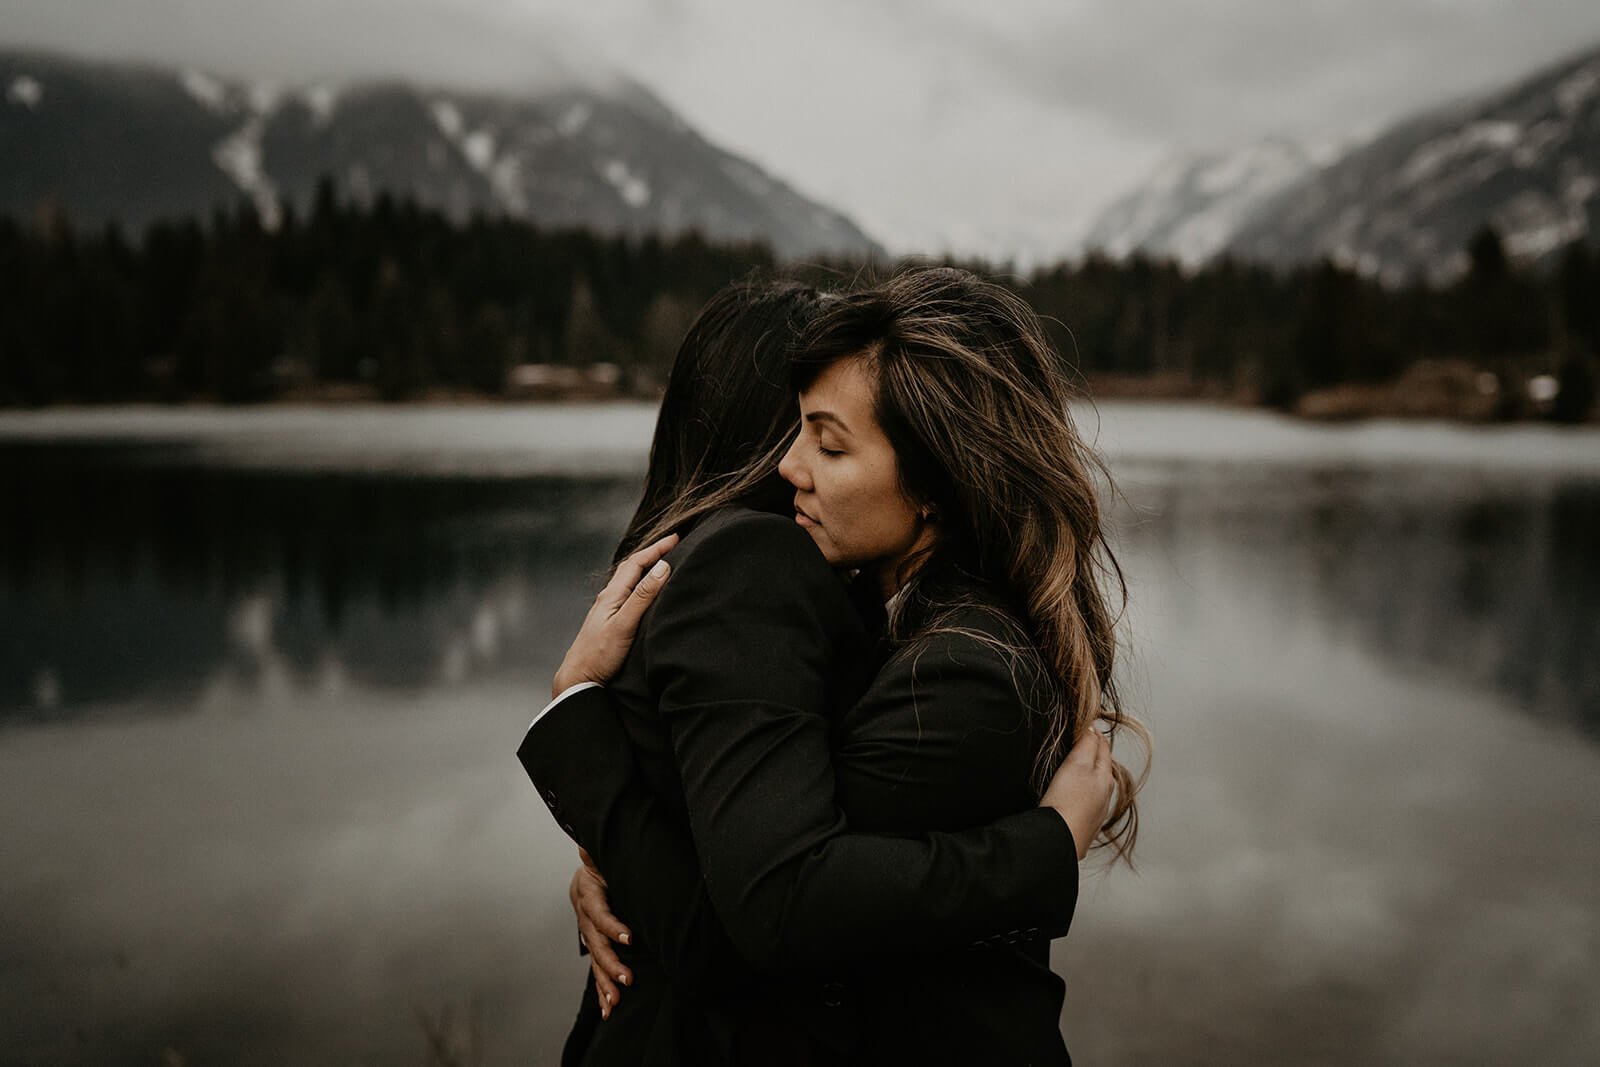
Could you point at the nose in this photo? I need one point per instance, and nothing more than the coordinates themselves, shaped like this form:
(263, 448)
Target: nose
(791, 468)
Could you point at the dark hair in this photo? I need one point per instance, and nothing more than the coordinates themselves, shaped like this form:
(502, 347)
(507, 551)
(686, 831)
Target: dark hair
(728, 412)
(973, 398)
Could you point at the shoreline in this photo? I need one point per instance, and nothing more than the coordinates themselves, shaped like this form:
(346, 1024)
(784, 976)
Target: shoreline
(1346, 403)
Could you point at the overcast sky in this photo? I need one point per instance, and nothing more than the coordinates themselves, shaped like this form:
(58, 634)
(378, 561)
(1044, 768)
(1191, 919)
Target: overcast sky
(995, 126)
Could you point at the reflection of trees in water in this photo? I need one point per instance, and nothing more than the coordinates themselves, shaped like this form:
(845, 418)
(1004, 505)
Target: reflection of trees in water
(1491, 582)
(125, 575)
(128, 574)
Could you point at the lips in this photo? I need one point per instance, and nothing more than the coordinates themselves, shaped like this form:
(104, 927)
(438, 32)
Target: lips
(803, 519)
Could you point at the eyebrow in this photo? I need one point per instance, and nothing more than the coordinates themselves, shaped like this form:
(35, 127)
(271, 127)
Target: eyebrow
(828, 416)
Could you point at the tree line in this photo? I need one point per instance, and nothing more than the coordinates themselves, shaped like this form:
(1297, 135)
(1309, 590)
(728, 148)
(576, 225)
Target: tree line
(395, 300)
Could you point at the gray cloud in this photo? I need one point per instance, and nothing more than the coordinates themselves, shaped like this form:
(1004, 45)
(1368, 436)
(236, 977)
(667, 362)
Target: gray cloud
(939, 124)
(1237, 69)
(458, 42)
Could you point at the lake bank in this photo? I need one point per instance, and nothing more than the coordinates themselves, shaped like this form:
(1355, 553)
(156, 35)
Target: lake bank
(612, 438)
(1430, 390)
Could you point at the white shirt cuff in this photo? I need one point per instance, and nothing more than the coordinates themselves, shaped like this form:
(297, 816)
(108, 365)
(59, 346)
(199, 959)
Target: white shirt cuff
(565, 693)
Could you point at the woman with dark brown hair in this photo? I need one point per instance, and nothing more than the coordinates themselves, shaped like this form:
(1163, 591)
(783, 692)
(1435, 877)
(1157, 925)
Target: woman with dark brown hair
(956, 389)
(927, 942)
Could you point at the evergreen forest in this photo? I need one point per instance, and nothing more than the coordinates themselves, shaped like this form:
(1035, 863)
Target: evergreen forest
(392, 301)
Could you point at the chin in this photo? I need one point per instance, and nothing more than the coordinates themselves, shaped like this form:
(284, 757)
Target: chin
(822, 544)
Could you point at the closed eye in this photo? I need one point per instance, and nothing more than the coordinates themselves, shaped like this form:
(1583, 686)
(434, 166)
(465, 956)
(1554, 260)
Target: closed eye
(830, 452)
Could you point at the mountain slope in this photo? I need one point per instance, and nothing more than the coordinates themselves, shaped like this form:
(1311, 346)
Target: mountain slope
(135, 143)
(1191, 208)
(1526, 159)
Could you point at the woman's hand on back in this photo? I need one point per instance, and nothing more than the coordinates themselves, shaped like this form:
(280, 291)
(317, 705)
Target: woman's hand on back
(608, 630)
(1082, 789)
(599, 928)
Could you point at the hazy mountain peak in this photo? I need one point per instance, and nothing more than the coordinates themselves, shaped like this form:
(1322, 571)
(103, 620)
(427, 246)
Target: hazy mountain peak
(320, 100)
(206, 90)
(1525, 158)
(24, 91)
(1398, 203)
(616, 160)
(1191, 205)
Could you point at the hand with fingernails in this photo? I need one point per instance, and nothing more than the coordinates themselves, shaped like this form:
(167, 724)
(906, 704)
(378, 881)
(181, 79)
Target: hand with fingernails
(607, 631)
(599, 928)
(596, 655)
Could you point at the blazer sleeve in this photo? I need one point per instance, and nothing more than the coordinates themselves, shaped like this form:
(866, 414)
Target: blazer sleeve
(580, 759)
(740, 649)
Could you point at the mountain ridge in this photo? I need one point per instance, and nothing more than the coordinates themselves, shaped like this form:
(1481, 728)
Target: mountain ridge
(1524, 158)
(1403, 203)
(133, 142)
(1189, 208)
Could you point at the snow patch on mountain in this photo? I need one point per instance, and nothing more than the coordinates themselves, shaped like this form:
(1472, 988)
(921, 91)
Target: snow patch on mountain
(320, 100)
(239, 157)
(1434, 156)
(574, 119)
(447, 117)
(633, 189)
(505, 178)
(264, 97)
(206, 90)
(25, 91)
(1537, 224)
(478, 147)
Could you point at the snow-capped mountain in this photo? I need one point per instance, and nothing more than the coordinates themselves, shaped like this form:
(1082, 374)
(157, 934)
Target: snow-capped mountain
(1526, 159)
(134, 143)
(1191, 207)
(1399, 205)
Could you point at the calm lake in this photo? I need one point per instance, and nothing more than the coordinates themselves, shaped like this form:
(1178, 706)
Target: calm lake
(263, 673)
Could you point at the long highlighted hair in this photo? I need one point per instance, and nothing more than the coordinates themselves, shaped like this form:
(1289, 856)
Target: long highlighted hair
(973, 397)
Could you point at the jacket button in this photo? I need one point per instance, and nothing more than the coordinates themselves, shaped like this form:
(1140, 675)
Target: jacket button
(832, 995)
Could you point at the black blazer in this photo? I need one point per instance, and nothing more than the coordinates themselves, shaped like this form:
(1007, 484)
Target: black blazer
(713, 751)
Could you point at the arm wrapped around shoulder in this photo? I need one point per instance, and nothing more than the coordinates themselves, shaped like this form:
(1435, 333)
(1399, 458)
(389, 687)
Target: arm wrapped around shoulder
(791, 885)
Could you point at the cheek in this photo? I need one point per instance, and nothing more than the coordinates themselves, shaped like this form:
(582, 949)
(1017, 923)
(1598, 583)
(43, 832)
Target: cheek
(839, 494)
(884, 520)
(899, 519)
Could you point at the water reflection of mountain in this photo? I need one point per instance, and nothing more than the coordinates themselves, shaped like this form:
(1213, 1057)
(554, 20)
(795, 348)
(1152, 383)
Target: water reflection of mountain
(1483, 580)
(124, 576)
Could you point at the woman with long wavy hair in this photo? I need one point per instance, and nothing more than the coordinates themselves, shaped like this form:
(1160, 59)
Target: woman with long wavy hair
(973, 400)
(935, 460)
